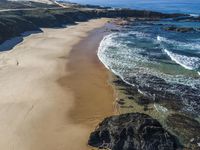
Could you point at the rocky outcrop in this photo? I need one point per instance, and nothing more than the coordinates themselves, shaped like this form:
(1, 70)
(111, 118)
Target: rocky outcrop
(11, 26)
(187, 18)
(132, 131)
(34, 19)
(187, 128)
(157, 90)
(179, 29)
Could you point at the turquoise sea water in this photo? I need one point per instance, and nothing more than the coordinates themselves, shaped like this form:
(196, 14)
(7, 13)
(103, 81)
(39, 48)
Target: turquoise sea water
(167, 6)
(158, 62)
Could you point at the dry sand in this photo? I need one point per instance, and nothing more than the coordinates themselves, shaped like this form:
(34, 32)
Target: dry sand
(36, 111)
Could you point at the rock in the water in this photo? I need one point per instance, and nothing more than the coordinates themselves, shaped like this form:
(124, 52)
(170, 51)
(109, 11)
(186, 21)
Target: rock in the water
(133, 131)
(179, 29)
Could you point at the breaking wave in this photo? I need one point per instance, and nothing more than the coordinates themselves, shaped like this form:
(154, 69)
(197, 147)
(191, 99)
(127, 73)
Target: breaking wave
(188, 45)
(127, 56)
(191, 63)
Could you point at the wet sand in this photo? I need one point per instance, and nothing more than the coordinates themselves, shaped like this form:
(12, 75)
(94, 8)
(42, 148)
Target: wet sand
(51, 93)
(89, 81)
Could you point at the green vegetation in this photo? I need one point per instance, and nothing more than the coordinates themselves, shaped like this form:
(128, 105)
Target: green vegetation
(13, 23)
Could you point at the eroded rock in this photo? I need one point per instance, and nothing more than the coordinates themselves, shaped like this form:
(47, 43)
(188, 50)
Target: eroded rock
(133, 131)
(187, 128)
(179, 29)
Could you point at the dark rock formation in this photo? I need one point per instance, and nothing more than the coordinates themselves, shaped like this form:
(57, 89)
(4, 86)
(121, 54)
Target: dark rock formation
(179, 29)
(153, 89)
(187, 18)
(157, 90)
(33, 19)
(187, 128)
(4, 4)
(11, 26)
(132, 131)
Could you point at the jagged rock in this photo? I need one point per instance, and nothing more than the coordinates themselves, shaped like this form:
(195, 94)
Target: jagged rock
(187, 18)
(133, 131)
(37, 18)
(11, 26)
(187, 128)
(142, 100)
(179, 29)
(121, 102)
(168, 94)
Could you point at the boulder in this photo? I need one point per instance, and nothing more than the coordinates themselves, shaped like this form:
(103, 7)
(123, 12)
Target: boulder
(133, 131)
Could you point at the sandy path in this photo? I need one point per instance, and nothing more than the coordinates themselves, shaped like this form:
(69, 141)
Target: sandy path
(34, 108)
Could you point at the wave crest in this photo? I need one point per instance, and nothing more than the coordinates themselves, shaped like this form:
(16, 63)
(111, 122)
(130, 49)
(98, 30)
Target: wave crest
(190, 45)
(190, 63)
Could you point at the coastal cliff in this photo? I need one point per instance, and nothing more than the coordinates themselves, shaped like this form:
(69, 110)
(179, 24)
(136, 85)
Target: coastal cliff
(15, 22)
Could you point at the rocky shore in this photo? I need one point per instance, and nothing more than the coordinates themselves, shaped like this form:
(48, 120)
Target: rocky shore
(13, 23)
(132, 131)
(183, 126)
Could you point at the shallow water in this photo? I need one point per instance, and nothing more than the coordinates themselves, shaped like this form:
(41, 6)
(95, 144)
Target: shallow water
(159, 62)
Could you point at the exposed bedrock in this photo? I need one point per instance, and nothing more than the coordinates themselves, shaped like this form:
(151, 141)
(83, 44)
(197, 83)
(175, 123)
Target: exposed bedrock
(174, 96)
(133, 131)
(180, 29)
(11, 26)
(187, 128)
(13, 23)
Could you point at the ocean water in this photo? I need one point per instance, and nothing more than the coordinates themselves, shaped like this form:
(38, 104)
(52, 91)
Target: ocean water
(167, 6)
(160, 63)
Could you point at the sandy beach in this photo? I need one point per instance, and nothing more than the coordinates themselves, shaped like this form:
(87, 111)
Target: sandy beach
(46, 102)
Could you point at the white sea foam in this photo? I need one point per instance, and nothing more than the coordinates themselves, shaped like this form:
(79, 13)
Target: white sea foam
(194, 15)
(128, 62)
(190, 45)
(190, 63)
(160, 108)
(139, 34)
(125, 65)
(105, 43)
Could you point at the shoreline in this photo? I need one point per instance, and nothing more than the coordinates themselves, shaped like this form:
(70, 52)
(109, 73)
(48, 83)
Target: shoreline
(129, 99)
(34, 105)
(89, 81)
(88, 78)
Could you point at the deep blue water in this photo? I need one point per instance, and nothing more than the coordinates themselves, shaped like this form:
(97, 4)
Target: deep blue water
(167, 6)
